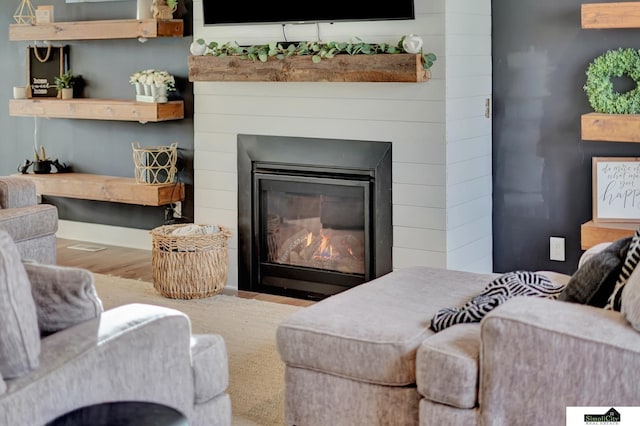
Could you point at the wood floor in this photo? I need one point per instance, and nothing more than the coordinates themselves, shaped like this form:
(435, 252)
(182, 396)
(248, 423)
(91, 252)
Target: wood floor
(135, 264)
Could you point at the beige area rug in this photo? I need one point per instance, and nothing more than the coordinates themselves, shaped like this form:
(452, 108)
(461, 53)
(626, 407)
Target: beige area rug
(256, 374)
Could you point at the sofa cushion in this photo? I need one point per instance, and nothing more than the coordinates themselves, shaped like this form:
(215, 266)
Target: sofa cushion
(63, 296)
(447, 366)
(19, 335)
(371, 332)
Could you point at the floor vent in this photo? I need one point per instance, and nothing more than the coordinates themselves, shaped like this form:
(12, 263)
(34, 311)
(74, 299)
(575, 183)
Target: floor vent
(86, 247)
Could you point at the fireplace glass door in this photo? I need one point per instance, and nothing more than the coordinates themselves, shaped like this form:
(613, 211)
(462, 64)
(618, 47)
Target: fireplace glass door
(312, 229)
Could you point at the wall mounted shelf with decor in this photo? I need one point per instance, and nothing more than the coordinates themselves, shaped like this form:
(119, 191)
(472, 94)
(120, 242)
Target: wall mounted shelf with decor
(611, 127)
(97, 109)
(593, 233)
(610, 15)
(106, 188)
(97, 30)
(402, 67)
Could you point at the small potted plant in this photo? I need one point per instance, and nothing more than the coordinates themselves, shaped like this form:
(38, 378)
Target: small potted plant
(42, 163)
(64, 84)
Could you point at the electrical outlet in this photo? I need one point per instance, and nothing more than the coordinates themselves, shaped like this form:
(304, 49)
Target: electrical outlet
(556, 249)
(168, 214)
(177, 209)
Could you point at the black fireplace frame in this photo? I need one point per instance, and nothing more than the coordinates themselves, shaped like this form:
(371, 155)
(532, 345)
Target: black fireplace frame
(335, 158)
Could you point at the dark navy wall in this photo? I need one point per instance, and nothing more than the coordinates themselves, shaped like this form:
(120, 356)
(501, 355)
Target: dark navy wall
(93, 146)
(541, 168)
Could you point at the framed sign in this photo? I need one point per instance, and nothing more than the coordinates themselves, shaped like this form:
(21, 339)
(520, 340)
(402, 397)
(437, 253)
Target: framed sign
(44, 64)
(616, 189)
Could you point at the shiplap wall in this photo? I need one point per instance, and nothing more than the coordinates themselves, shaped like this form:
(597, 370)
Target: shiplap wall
(469, 141)
(441, 139)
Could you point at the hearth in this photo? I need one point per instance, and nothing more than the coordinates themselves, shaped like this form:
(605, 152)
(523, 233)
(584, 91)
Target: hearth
(314, 215)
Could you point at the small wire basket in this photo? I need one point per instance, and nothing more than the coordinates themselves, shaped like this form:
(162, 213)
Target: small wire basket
(155, 165)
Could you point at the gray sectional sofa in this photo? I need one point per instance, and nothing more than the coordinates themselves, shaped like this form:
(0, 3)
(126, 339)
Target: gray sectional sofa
(368, 356)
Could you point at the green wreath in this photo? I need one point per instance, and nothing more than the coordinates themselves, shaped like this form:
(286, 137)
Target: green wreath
(599, 88)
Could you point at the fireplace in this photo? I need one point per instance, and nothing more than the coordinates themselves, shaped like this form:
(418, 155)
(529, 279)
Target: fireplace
(314, 215)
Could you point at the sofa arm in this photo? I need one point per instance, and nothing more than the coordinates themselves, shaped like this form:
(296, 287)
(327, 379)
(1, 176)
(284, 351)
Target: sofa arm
(210, 366)
(134, 352)
(17, 192)
(539, 356)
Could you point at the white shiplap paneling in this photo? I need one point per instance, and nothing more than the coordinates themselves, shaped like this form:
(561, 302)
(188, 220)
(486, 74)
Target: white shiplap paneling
(469, 85)
(419, 195)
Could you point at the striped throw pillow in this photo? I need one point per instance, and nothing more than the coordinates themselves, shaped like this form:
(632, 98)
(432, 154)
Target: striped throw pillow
(630, 263)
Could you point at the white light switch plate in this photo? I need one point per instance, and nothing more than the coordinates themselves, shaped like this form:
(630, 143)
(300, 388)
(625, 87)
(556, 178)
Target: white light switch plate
(556, 249)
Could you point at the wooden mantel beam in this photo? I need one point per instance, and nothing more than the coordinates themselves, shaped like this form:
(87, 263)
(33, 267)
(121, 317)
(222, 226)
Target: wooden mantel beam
(402, 67)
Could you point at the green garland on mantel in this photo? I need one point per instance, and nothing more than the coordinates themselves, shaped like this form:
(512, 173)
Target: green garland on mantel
(316, 50)
(599, 87)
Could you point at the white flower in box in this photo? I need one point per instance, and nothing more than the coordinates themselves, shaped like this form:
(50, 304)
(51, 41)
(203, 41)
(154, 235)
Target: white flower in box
(152, 85)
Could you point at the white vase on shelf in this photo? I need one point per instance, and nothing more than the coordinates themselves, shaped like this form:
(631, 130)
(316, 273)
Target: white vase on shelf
(159, 94)
(66, 93)
(144, 9)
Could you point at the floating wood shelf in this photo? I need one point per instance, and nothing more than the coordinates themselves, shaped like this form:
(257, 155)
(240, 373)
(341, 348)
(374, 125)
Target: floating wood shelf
(611, 127)
(97, 109)
(97, 30)
(611, 15)
(593, 233)
(402, 67)
(105, 188)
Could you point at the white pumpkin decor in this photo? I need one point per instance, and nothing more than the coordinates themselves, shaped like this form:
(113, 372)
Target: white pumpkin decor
(197, 49)
(412, 43)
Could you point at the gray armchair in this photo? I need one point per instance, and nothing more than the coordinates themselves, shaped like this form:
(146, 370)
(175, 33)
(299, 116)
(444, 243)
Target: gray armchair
(31, 225)
(59, 351)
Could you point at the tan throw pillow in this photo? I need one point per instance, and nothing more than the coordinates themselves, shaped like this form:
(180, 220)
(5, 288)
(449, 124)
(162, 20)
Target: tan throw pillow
(64, 296)
(630, 299)
(19, 335)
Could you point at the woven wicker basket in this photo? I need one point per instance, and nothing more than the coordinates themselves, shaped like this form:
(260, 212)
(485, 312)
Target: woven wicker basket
(189, 266)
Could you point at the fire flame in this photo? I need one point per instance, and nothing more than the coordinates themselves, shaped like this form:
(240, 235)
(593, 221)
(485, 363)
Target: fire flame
(325, 250)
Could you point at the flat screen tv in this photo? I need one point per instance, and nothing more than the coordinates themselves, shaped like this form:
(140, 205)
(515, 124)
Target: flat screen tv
(295, 11)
